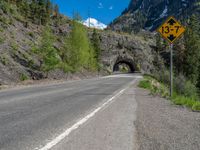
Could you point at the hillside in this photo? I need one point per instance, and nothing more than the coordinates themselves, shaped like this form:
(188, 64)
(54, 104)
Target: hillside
(149, 14)
(32, 48)
(52, 46)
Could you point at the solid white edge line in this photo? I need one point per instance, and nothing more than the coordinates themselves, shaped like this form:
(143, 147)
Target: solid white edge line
(59, 138)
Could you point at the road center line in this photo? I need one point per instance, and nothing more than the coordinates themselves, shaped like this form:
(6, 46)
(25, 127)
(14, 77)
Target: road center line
(60, 137)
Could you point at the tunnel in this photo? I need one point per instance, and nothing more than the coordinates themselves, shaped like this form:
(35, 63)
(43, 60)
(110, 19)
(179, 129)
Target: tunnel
(124, 66)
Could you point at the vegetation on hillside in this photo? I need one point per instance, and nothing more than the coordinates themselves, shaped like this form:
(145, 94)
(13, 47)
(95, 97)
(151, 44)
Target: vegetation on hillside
(76, 51)
(184, 96)
(35, 11)
(186, 64)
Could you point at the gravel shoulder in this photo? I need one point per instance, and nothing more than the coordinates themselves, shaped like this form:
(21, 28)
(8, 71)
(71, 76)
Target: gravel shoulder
(163, 126)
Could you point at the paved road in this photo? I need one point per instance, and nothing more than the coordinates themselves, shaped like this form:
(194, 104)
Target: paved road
(31, 117)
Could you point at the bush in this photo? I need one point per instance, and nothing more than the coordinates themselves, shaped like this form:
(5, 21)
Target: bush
(163, 76)
(23, 77)
(3, 60)
(190, 89)
(186, 95)
(5, 6)
(2, 40)
(179, 84)
(196, 106)
(146, 84)
(31, 34)
(14, 46)
(184, 87)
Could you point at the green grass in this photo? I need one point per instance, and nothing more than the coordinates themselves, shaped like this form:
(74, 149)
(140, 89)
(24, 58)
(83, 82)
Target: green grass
(160, 89)
(145, 84)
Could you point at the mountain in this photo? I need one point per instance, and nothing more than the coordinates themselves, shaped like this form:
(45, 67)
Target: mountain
(149, 14)
(93, 23)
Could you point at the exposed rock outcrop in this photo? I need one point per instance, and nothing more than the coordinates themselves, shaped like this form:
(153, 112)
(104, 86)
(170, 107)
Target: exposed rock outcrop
(149, 14)
(131, 49)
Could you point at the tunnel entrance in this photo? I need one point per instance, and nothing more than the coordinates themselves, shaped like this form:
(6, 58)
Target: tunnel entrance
(124, 66)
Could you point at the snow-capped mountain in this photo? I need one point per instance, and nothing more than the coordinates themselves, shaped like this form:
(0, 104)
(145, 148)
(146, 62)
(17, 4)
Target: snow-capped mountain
(93, 23)
(149, 14)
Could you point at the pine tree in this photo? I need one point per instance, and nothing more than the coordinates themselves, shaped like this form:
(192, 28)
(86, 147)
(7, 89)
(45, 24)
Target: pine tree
(192, 45)
(49, 57)
(95, 41)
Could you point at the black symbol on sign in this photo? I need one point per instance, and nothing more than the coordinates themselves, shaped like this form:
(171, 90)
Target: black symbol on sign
(171, 22)
(171, 37)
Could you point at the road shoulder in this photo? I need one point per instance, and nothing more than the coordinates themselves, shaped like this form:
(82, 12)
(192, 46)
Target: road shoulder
(163, 126)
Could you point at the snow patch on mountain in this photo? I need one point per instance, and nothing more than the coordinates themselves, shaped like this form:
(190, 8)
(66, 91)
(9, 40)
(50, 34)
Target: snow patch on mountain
(93, 23)
(164, 13)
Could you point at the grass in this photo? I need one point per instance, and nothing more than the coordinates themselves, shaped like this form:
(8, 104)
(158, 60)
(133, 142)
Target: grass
(160, 89)
(145, 84)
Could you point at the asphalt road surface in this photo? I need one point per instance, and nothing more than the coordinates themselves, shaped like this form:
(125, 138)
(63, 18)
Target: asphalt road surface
(63, 116)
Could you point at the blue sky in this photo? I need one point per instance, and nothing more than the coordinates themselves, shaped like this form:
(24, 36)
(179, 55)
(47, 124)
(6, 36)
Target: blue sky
(103, 10)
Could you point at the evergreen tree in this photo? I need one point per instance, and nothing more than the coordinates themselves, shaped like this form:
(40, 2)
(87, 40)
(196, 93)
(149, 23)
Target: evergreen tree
(192, 45)
(49, 57)
(95, 41)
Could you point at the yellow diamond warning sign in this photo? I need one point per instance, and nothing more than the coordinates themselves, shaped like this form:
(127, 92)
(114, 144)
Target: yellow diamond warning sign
(171, 29)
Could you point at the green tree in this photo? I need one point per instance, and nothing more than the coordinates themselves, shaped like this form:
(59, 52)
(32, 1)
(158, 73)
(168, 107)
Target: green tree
(80, 52)
(95, 41)
(49, 58)
(192, 45)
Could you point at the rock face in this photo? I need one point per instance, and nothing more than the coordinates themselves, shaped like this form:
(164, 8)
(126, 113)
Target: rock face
(149, 14)
(18, 62)
(135, 51)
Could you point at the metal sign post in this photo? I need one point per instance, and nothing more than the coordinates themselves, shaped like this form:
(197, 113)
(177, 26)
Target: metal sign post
(171, 70)
(171, 30)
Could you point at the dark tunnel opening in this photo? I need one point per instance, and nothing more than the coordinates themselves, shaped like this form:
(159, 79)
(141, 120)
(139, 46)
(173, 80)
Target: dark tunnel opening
(124, 67)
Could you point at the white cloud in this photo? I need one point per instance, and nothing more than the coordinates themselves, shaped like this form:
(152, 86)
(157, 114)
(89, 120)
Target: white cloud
(111, 7)
(100, 6)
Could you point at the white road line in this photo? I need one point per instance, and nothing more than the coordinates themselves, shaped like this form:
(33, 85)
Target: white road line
(124, 76)
(59, 138)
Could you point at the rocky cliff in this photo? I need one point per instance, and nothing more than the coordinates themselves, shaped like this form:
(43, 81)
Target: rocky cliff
(18, 62)
(138, 50)
(149, 14)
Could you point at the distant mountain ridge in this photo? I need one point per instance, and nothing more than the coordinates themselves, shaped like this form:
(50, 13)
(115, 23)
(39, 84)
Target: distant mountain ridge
(93, 23)
(149, 14)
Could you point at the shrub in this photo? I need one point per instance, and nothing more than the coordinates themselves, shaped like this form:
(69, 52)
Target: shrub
(190, 89)
(196, 106)
(4, 20)
(4, 6)
(3, 60)
(31, 34)
(163, 76)
(14, 46)
(23, 77)
(179, 84)
(186, 95)
(2, 40)
(146, 84)
(184, 87)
